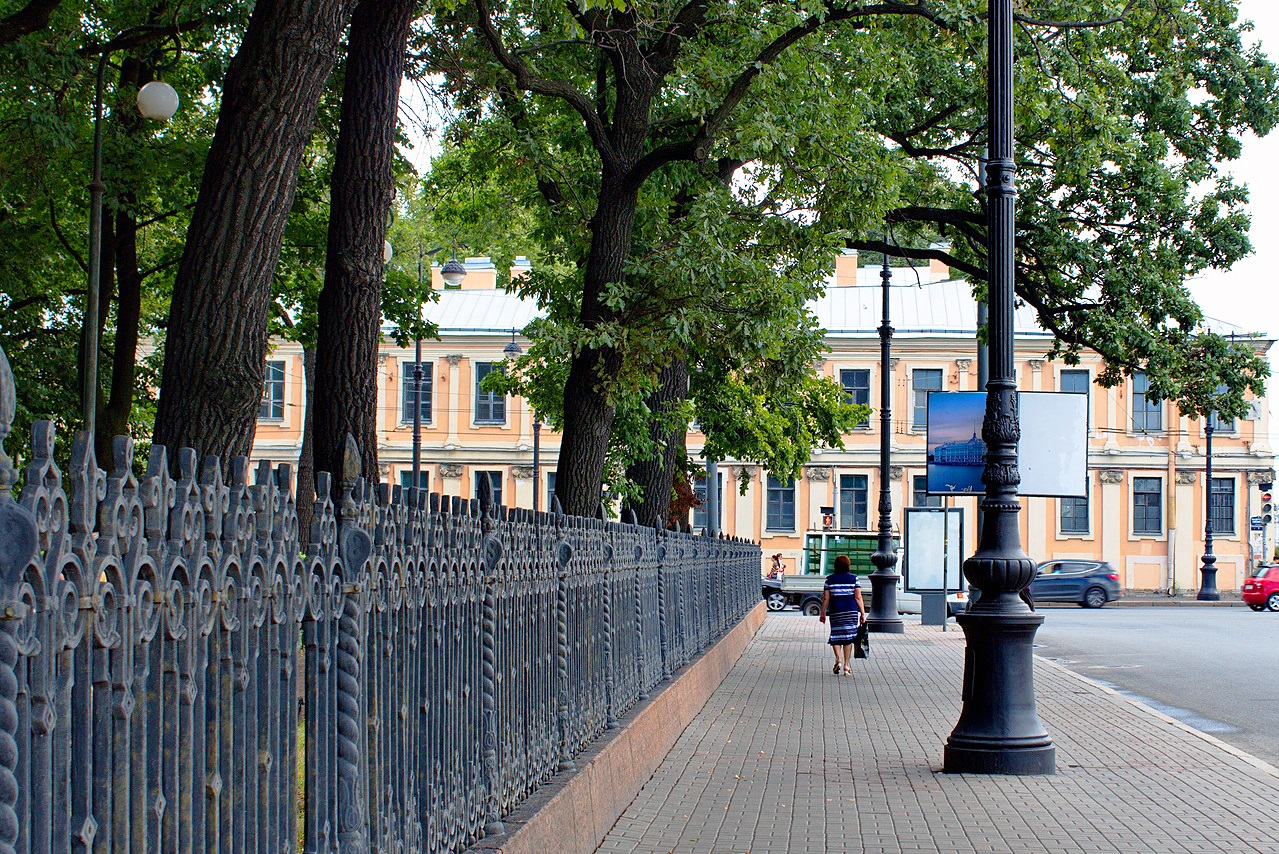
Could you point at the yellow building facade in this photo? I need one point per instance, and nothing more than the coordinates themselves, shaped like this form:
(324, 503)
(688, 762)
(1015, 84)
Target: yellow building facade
(1147, 497)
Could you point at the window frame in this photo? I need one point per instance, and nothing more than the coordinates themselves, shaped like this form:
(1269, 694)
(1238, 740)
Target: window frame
(774, 487)
(1231, 507)
(1158, 493)
(424, 475)
(268, 383)
(850, 392)
(699, 489)
(916, 493)
(1062, 529)
(1147, 408)
(865, 501)
(496, 478)
(1087, 375)
(918, 410)
(406, 391)
(490, 398)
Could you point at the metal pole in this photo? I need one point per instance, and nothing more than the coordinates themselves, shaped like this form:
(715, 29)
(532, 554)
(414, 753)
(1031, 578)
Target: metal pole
(89, 397)
(712, 498)
(417, 390)
(883, 616)
(537, 460)
(1208, 571)
(999, 731)
(983, 317)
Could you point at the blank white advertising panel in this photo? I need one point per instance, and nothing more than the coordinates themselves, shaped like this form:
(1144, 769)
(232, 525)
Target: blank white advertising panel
(1053, 452)
(932, 544)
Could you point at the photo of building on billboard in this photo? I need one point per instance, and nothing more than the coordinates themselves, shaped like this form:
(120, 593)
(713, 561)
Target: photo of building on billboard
(956, 452)
(1052, 457)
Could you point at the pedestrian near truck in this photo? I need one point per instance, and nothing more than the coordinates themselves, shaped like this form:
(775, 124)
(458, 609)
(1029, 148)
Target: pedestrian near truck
(842, 600)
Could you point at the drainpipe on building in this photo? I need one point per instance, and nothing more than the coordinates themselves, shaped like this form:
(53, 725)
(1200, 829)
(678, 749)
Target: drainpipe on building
(1172, 515)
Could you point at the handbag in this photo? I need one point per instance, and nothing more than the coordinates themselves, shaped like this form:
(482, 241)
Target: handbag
(861, 641)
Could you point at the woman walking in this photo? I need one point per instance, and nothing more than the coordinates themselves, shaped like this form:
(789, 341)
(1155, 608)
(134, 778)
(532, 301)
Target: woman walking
(842, 599)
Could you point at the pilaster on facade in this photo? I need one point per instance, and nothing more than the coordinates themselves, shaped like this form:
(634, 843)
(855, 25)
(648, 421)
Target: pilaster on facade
(453, 441)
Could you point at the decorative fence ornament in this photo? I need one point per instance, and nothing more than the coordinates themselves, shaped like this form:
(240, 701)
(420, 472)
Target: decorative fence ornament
(182, 669)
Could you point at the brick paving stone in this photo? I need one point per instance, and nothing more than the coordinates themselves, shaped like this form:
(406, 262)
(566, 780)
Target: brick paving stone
(786, 758)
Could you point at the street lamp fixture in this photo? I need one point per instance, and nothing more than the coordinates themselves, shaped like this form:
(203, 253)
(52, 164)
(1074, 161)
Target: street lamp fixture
(156, 100)
(883, 616)
(453, 271)
(512, 350)
(999, 731)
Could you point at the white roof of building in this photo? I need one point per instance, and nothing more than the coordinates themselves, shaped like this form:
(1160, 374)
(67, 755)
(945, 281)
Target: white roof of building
(930, 309)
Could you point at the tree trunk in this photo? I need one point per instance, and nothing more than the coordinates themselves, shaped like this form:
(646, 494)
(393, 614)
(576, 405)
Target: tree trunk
(215, 353)
(656, 475)
(306, 459)
(114, 419)
(350, 305)
(588, 407)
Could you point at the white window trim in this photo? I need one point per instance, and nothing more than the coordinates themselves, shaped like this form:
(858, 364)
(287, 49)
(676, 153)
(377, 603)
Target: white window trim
(770, 531)
(1090, 534)
(505, 423)
(1130, 427)
(1093, 432)
(1218, 535)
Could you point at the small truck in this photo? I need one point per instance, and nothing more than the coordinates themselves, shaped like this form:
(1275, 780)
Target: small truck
(803, 591)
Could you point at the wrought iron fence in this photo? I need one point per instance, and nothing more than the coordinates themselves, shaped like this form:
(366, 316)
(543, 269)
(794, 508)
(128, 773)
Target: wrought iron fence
(182, 670)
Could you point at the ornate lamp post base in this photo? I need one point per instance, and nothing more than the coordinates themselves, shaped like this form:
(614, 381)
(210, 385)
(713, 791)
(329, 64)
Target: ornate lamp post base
(883, 588)
(999, 731)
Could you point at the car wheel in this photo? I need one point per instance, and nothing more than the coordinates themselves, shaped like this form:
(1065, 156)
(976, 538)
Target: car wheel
(1257, 607)
(1094, 597)
(1272, 602)
(812, 609)
(775, 601)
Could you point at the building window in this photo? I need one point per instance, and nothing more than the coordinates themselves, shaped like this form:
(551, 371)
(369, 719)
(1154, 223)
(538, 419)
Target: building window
(1078, 382)
(423, 479)
(854, 514)
(1219, 424)
(919, 490)
(490, 407)
(495, 481)
(1222, 505)
(1074, 515)
(781, 504)
(550, 491)
(273, 392)
(699, 512)
(856, 383)
(1147, 410)
(923, 380)
(1147, 505)
(408, 383)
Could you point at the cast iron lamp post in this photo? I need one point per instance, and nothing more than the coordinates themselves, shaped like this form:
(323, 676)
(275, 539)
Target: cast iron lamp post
(1208, 571)
(883, 616)
(999, 731)
(452, 276)
(156, 100)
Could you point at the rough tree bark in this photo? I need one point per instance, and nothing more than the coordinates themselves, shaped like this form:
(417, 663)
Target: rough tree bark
(656, 475)
(113, 420)
(215, 353)
(350, 306)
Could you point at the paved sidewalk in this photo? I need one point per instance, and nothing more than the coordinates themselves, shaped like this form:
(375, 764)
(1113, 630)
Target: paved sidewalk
(786, 758)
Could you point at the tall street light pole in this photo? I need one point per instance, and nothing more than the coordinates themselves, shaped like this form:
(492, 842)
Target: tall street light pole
(537, 460)
(999, 731)
(1208, 571)
(883, 616)
(453, 273)
(156, 100)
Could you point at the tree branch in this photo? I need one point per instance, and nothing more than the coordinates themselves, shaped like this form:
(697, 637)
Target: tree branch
(917, 255)
(698, 147)
(1075, 25)
(62, 238)
(526, 80)
(30, 18)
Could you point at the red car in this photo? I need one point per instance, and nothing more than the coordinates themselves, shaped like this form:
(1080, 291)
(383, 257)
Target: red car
(1261, 590)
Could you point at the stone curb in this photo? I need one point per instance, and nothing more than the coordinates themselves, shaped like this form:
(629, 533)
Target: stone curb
(573, 812)
(1259, 764)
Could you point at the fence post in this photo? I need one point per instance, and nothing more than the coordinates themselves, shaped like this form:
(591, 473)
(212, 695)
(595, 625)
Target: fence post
(564, 555)
(610, 688)
(18, 539)
(662, 617)
(492, 551)
(356, 547)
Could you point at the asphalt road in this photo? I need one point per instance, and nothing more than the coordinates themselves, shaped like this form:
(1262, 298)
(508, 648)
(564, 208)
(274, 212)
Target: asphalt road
(1215, 669)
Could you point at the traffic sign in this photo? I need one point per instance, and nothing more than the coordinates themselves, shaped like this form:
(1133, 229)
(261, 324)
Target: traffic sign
(1257, 524)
